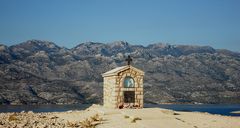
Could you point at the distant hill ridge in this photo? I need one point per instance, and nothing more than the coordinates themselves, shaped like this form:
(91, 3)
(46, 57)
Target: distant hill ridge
(39, 72)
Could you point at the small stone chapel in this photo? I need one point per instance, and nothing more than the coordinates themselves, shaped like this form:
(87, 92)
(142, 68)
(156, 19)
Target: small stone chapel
(123, 87)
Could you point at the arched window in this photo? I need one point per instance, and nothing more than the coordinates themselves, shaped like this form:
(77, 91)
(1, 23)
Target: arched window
(128, 82)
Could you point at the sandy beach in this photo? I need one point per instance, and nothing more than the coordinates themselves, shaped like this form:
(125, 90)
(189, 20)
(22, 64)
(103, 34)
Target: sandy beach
(100, 117)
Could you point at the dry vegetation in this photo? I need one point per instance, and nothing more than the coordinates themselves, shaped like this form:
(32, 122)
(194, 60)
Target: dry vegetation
(91, 122)
(132, 119)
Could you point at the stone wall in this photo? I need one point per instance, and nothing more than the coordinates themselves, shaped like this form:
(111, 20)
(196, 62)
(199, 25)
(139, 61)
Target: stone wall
(109, 94)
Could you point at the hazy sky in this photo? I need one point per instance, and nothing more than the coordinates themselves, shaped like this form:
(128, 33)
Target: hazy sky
(70, 22)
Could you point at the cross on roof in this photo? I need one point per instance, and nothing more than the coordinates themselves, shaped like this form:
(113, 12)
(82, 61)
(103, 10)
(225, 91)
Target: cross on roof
(129, 59)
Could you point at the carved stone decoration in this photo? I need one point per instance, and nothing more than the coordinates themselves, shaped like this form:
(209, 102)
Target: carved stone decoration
(123, 87)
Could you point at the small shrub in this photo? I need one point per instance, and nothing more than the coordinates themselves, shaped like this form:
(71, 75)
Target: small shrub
(92, 122)
(176, 113)
(87, 123)
(135, 119)
(96, 118)
(72, 124)
(43, 116)
(13, 117)
(54, 117)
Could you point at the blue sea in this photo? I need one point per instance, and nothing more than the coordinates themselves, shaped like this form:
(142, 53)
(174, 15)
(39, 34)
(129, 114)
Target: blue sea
(222, 109)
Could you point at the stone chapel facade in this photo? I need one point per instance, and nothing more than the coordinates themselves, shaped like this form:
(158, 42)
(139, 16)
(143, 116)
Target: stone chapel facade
(123, 88)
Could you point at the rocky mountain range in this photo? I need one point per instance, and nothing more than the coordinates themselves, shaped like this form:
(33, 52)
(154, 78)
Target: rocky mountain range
(40, 72)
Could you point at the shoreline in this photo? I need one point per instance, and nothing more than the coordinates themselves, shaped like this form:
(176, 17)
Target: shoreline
(100, 117)
(222, 109)
(235, 112)
(144, 103)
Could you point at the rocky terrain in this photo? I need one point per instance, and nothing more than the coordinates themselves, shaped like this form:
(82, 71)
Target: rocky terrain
(40, 72)
(69, 119)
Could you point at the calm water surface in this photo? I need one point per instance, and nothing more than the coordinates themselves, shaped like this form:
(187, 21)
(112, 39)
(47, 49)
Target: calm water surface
(222, 109)
(43, 108)
(213, 109)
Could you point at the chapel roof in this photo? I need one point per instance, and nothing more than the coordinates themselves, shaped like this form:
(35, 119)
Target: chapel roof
(115, 71)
